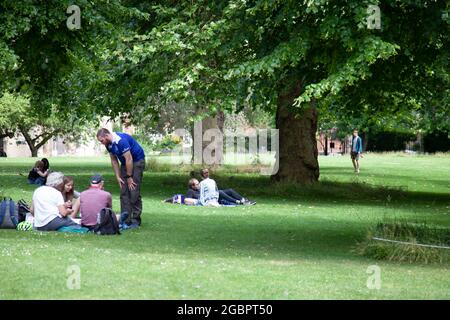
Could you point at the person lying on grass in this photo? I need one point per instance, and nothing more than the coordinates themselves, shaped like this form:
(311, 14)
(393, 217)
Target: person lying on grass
(226, 196)
(199, 194)
(204, 194)
(48, 207)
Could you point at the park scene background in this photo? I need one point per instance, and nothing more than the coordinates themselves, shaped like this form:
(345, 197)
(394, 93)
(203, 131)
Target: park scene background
(310, 70)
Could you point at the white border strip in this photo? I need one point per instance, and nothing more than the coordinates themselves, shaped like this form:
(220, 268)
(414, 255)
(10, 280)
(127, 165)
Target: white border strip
(412, 244)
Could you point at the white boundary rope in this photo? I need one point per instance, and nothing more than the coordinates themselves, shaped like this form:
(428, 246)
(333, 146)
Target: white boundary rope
(412, 244)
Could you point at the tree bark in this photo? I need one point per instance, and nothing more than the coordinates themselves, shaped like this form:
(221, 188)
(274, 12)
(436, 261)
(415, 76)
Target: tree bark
(214, 122)
(31, 142)
(2, 148)
(365, 140)
(297, 145)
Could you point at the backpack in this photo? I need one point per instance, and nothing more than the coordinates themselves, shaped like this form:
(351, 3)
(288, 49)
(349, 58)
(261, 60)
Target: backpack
(178, 199)
(106, 222)
(22, 210)
(8, 216)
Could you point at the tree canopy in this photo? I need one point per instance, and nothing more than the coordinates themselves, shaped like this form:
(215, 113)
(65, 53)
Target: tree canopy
(298, 60)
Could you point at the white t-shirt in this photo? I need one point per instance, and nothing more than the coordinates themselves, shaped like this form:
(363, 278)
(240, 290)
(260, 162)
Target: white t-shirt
(208, 192)
(45, 203)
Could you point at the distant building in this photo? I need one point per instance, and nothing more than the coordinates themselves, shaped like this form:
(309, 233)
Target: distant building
(328, 143)
(57, 146)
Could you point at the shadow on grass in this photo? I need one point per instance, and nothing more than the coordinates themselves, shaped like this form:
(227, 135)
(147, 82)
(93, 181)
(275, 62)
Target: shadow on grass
(231, 232)
(324, 192)
(197, 235)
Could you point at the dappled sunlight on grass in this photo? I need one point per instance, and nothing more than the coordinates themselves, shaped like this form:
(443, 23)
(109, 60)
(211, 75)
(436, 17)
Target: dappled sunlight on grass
(297, 242)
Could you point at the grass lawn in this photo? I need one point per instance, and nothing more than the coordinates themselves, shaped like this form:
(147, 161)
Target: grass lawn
(296, 243)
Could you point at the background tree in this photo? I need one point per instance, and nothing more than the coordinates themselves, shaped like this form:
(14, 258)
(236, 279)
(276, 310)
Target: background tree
(294, 59)
(20, 118)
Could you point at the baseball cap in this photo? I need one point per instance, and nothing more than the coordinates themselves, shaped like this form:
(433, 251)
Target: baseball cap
(96, 179)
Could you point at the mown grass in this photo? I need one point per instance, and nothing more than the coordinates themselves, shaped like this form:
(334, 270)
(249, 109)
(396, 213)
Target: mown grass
(407, 241)
(296, 243)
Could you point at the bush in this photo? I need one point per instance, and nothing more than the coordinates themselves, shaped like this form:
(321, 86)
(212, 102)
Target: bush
(389, 140)
(437, 141)
(169, 142)
(410, 237)
(154, 166)
(148, 143)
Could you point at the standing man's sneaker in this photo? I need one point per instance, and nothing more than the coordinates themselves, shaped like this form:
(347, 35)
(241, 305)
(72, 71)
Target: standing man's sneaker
(123, 217)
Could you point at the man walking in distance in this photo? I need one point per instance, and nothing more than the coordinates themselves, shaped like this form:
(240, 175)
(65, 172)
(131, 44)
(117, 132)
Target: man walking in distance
(356, 150)
(122, 147)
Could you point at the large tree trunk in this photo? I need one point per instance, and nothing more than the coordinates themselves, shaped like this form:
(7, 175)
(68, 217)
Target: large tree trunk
(297, 145)
(2, 148)
(214, 122)
(211, 146)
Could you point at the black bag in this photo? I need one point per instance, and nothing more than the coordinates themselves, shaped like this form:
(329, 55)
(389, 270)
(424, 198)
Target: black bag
(106, 222)
(22, 210)
(8, 214)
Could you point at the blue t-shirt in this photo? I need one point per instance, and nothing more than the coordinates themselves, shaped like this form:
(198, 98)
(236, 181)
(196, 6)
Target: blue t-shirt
(122, 143)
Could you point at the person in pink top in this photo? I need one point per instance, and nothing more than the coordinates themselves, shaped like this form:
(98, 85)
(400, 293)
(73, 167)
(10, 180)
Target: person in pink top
(92, 201)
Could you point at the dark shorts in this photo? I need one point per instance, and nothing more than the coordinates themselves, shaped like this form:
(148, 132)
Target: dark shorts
(354, 155)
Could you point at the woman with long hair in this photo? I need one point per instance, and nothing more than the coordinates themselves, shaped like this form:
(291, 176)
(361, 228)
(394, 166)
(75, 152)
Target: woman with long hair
(38, 174)
(71, 196)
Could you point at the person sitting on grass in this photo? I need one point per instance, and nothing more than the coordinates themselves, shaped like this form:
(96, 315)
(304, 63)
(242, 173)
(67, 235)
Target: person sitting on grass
(46, 167)
(46, 164)
(71, 196)
(48, 207)
(227, 196)
(92, 201)
(38, 174)
(209, 193)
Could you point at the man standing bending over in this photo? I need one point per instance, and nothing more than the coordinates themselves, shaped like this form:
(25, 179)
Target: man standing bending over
(356, 150)
(122, 147)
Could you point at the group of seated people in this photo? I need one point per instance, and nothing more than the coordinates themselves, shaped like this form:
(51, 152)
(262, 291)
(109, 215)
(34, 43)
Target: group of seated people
(56, 204)
(206, 193)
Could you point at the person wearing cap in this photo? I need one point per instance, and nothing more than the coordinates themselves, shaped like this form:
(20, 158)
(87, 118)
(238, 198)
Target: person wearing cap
(92, 201)
(48, 207)
(125, 149)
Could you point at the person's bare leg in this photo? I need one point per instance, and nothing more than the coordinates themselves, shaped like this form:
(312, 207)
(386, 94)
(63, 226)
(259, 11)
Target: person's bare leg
(357, 166)
(354, 164)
